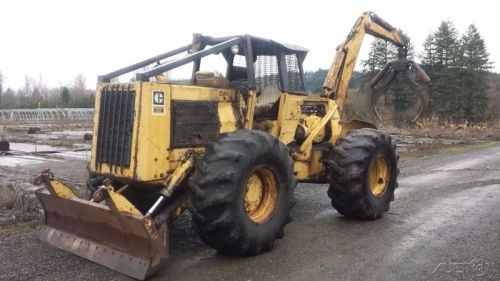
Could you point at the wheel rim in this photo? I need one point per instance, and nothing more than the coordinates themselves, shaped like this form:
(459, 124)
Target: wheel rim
(261, 194)
(379, 176)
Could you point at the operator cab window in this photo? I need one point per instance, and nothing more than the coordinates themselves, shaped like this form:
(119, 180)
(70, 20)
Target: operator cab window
(180, 75)
(214, 63)
(239, 69)
(295, 82)
(212, 72)
(267, 79)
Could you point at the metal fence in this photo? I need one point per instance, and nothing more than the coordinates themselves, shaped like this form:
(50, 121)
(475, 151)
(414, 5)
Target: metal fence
(47, 114)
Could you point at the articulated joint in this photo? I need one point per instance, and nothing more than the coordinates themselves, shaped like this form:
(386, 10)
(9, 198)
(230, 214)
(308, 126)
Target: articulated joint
(317, 129)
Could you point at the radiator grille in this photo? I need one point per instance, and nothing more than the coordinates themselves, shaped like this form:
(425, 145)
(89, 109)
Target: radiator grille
(116, 119)
(194, 123)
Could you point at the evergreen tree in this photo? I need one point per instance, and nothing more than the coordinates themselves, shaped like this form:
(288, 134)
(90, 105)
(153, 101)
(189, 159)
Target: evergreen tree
(474, 64)
(473, 47)
(445, 45)
(65, 96)
(428, 58)
(380, 54)
(457, 68)
(313, 80)
(9, 99)
(440, 58)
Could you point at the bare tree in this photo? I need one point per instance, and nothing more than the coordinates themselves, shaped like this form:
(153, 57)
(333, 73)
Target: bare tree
(79, 85)
(42, 87)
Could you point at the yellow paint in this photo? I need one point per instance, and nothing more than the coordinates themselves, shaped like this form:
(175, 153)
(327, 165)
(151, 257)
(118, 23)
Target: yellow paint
(154, 161)
(119, 203)
(261, 194)
(60, 190)
(312, 122)
(253, 193)
(251, 102)
(379, 176)
(309, 166)
(306, 145)
(178, 175)
(338, 77)
(289, 116)
(316, 165)
(227, 117)
(301, 169)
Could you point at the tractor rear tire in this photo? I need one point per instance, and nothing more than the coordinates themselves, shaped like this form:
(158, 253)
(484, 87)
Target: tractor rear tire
(362, 171)
(241, 192)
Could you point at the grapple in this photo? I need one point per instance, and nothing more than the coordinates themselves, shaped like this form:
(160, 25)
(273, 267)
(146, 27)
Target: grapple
(112, 233)
(405, 67)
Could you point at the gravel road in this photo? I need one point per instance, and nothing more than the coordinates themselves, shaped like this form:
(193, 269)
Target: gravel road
(443, 225)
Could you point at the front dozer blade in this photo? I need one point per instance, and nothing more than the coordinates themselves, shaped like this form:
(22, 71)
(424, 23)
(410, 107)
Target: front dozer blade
(130, 244)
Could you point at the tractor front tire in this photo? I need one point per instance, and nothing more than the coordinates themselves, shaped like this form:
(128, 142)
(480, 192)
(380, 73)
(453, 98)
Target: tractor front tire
(362, 171)
(241, 192)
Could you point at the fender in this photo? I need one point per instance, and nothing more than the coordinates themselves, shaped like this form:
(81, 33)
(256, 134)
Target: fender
(354, 124)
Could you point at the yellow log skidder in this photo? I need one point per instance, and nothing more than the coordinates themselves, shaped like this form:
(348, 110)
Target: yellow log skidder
(230, 148)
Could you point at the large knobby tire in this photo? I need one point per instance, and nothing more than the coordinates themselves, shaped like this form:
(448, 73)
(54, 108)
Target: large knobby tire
(241, 192)
(362, 171)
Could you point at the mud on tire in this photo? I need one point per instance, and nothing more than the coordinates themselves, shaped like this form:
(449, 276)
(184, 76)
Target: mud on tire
(350, 164)
(218, 192)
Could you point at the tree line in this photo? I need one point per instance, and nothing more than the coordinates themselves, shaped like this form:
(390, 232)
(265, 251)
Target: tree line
(35, 93)
(459, 69)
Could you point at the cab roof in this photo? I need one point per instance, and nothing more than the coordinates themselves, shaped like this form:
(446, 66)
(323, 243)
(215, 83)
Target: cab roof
(261, 46)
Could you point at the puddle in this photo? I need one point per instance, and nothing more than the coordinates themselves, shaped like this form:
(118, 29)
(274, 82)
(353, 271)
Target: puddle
(29, 147)
(20, 157)
(65, 134)
(14, 161)
(424, 179)
(470, 163)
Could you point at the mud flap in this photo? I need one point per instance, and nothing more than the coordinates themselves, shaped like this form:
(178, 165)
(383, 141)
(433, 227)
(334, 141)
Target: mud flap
(130, 244)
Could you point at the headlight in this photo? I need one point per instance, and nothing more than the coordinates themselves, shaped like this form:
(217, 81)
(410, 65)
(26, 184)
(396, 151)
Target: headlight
(235, 49)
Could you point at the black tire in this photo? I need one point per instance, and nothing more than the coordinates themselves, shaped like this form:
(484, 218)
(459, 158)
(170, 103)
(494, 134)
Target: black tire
(349, 166)
(218, 188)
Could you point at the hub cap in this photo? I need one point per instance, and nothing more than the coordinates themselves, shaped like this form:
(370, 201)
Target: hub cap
(261, 194)
(379, 176)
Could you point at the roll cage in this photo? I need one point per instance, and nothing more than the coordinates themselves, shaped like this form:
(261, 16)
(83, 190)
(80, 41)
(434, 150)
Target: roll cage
(272, 62)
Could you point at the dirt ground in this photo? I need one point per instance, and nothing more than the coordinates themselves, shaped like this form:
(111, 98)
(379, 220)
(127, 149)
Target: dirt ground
(445, 219)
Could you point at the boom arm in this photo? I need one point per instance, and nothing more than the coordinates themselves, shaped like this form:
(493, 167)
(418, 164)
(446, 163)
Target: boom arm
(339, 75)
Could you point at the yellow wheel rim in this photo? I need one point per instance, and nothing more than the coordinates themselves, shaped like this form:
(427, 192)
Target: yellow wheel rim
(261, 194)
(379, 176)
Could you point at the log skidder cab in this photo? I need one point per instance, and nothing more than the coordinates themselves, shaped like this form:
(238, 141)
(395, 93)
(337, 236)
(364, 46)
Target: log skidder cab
(228, 147)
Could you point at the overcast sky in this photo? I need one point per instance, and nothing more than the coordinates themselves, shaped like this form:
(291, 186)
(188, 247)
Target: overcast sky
(59, 39)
